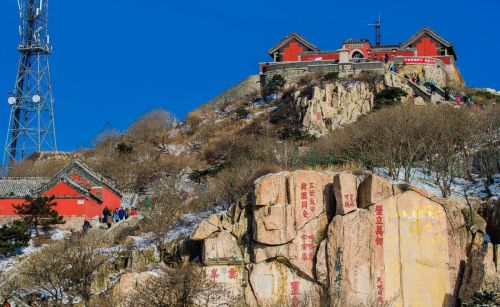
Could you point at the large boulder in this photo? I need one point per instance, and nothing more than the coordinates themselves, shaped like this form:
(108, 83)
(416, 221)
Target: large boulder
(285, 202)
(204, 230)
(221, 248)
(360, 240)
(301, 251)
(275, 284)
(345, 187)
(491, 280)
(349, 252)
(372, 190)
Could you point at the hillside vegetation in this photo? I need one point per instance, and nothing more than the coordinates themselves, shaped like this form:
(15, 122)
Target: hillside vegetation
(210, 161)
(226, 147)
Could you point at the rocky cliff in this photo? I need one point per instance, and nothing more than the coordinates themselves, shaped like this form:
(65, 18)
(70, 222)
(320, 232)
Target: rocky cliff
(308, 238)
(333, 105)
(324, 107)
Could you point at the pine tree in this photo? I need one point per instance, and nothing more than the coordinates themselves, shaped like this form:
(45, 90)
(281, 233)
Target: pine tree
(13, 236)
(39, 212)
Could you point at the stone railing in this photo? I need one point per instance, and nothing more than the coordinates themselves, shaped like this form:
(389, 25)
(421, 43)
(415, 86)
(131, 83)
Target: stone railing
(321, 66)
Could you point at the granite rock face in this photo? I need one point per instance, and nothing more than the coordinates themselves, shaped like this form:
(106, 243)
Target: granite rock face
(334, 105)
(321, 238)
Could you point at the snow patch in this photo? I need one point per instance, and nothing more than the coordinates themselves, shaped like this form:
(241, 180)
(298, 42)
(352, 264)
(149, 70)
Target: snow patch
(424, 179)
(187, 224)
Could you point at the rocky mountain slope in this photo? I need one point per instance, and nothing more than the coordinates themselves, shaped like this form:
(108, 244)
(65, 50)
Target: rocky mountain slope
(253, 192)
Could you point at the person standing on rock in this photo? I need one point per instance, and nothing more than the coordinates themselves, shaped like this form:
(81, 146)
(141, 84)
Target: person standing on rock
(116, 217)
(121, 213)
(105, 214)
(109, 221)
(86, 226)
(386, 58)
(446, 94)
(127, 213)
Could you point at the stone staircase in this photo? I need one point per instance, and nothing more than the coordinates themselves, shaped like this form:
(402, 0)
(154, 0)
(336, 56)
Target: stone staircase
(422, 90)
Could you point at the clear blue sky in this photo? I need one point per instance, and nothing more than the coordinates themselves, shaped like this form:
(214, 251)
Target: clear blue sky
(117, 59)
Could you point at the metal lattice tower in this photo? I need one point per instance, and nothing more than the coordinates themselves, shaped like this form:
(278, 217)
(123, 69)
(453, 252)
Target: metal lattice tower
(31, 123)
(378, 30)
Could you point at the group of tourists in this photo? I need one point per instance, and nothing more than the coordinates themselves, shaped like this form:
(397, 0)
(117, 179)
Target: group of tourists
(114, 216)
(110, 216)
(415, 78)
(462, 100)
(384, 58)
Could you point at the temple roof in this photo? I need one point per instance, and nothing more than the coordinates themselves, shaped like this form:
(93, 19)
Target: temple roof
(432, 34)
(289, 37)
(20, 187)
(86, 170)
(70, 182)
(356, 41)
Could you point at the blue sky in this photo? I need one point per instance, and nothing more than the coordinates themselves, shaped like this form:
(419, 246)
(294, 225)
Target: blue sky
(117, 59)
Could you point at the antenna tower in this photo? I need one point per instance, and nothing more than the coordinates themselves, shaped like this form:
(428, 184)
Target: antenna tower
(378, 30)
(31, 123)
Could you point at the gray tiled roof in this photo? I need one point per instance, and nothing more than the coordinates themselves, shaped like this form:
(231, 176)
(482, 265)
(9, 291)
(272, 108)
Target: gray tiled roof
(82, 166)
(20, 187)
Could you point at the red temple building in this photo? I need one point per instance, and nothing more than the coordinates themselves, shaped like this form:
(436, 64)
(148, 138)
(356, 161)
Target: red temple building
(424, 43)
(425, 47)
(78, 191)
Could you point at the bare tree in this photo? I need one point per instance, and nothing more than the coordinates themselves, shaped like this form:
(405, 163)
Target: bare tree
(152, 126)
(181, 286)
(65, 269)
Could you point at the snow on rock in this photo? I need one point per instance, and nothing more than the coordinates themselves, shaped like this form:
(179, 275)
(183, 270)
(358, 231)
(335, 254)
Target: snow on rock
(57, 234)
(173, 149)
(187, 224)
(424, 179)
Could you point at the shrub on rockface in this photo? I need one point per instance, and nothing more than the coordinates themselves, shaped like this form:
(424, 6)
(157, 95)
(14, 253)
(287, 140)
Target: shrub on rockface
(241, 112)
(331, 76)
(275, 85)
(388, 97)
(296, 135)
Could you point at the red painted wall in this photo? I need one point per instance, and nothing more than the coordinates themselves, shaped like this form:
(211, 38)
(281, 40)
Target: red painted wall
(364, 48)
(291, 52)
(426, 47)
(62, 189)
(6, 208)
(446, 59)
(69, 202)
(110, 199)
(324, 56)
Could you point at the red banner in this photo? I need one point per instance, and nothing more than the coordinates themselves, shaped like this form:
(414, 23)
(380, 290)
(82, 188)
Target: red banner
(419, 61)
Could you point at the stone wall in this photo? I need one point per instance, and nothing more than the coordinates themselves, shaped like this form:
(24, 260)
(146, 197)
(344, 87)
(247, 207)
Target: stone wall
(308, 238)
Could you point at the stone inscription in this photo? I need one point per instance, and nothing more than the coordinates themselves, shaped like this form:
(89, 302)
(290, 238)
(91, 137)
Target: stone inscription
(338, 270)
(307, 201)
